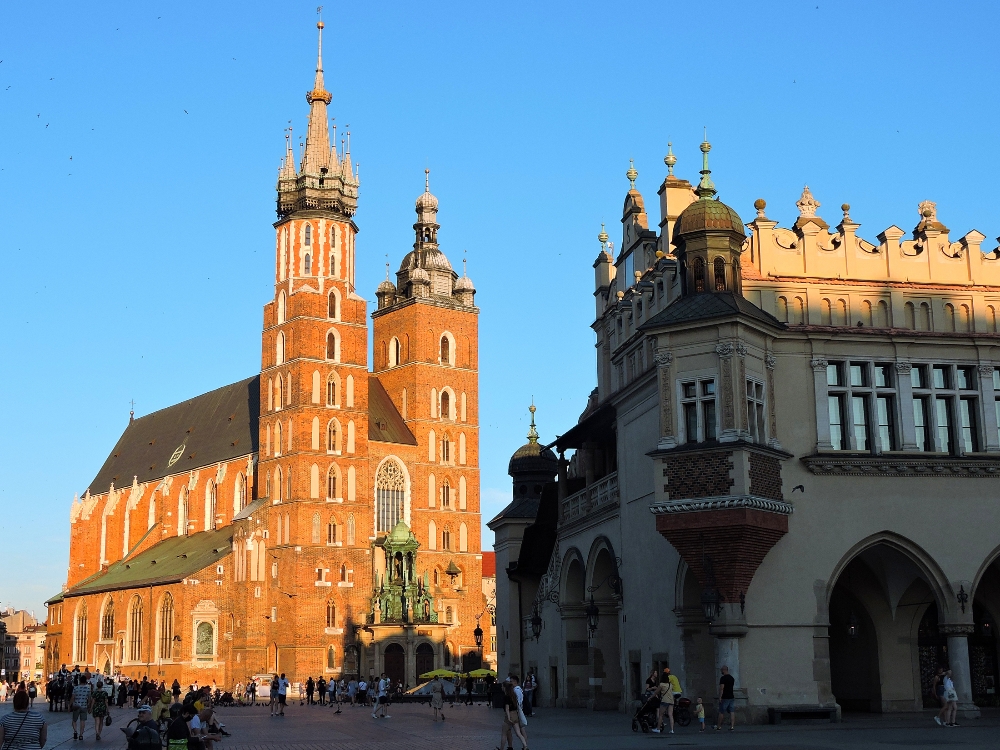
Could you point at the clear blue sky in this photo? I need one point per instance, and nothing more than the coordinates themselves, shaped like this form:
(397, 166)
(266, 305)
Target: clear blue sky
(137, 239)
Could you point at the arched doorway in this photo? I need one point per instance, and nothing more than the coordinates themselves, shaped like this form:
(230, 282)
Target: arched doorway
(883, 639)
(471, 660)
(425, 660)
(983, 662)
(395, 662)
(606, 670)
(577, 690)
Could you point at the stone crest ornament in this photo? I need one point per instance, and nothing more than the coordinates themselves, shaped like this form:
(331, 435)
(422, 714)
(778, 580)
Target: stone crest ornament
(770, 361)
(818, 363)
(725, 350)
(663, 357)
(928, 210)
(807, 205)
(985, 370)
(741, 349)
(903, 367)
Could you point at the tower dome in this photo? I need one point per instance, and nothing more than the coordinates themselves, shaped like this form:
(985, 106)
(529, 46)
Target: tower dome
(533, 458)
(707, 213)
(386, 287)
(464, 284)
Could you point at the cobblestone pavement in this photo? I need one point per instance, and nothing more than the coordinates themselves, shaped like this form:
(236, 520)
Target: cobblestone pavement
(477, 728)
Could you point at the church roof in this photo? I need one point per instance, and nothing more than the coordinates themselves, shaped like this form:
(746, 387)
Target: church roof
(385, 424)
(706, 307)
(170, 561)
(216, 426)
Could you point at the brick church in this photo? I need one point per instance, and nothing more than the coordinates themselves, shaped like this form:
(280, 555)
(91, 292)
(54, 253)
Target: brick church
(320, 518)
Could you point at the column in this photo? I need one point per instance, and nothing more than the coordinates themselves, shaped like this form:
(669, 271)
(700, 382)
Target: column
(988, 398)
(904, 387)
(727, 399)
(823, 443)
(958, 661)
(770, 362)
(664, 359)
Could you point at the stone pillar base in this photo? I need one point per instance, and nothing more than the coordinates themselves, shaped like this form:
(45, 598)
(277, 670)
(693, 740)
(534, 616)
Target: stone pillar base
(968, 711)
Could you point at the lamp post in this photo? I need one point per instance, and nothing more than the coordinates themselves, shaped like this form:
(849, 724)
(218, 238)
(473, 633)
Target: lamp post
(536, 621)
(711, 603)
(592, 616)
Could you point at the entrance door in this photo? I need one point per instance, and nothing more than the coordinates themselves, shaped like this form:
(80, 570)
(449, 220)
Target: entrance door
(933, 650)
(425, 660)
(395, 662)
(854, 673)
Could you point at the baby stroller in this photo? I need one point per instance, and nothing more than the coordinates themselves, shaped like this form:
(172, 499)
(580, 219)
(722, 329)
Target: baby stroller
(226, 699)
(645, 715)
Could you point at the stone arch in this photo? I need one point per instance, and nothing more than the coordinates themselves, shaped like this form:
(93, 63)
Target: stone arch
(333, 345)
(596, 573)
(390, 477)
(573, 587)
(281, 306)
(333, 304)
(447, 349)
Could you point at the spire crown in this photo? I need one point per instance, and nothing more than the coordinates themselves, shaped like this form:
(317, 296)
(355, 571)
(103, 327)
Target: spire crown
(532, 431)
(631, 174)
(706, 188)
(670, 160)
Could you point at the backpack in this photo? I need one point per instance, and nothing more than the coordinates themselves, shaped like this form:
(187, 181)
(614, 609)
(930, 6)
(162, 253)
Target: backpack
(144, 738)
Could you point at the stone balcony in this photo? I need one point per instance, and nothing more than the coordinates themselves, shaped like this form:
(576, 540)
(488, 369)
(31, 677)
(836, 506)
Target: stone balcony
(601, 495)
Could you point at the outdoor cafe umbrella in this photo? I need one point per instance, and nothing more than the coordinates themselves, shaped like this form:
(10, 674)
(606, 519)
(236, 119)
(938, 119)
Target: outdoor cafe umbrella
(482, 673)
(438, 673)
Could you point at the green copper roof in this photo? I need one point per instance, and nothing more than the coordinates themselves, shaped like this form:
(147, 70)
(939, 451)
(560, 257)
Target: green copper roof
(708, 214)
(400, 534)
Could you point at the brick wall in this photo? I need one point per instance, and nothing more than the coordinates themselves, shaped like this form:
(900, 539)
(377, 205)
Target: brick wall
(689, 475)
(765, 476)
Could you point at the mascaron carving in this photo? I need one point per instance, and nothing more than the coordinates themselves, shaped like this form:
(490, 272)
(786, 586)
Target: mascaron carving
(663, 357)
(818, 363)
(770, 361)
(903, 367)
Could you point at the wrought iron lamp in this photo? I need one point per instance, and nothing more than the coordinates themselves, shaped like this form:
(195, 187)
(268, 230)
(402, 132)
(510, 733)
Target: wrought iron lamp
(536, 622)
(453, 571)
(592, 616)
(711, 603)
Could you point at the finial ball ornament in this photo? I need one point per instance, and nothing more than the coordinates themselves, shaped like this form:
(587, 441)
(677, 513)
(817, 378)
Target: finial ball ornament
(760, 204)
(845, 207)
(319, 25)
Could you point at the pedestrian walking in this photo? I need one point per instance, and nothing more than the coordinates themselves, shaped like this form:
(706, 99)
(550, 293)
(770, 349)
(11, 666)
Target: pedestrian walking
(32, 694)
(521, 718)
(252, 690)
(273, 695)
(381, 699)
(23, 728)
(282, 694)
(310, 691)
(321, 690)
(700, 712)
(81, 702)
(175, 691)
(511, 721)
(727, 699)
(437, 697)
(98, 707)
(951, 700)
(470, 683)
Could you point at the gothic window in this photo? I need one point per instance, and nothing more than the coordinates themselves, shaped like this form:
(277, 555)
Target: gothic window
(331, 309)
(241, 492)
(445, 350)
(333, 436)
(315, 528)
(720, 275)
(166, 626)
(277, 438)
(183, 512)
(279, 355)
(108, 621)
(390, 488)
(331, 615)
(463, 538)
(135, 630)
(331, 484)
(309, 234)
(331, 658)
(278, 394)
(446, 540)
(345, 574)
(308, 265)
(281, 307)
(445, 405)
(204, 647)
(445, 449)
(277, 485)
(210, 505)
(350, 530)
(699, 275)
(331, 531)
(445, 495)
(331, 347)
(395, 353)
(81, 634)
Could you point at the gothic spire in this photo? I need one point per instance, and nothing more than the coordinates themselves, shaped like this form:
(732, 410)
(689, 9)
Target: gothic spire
(316, 156)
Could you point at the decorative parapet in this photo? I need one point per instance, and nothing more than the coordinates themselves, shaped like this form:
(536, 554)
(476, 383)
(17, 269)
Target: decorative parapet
(601, 494)
(903, 466)
(722, 502)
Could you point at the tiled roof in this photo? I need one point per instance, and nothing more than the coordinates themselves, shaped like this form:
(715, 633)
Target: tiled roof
(170, 561)
(489, 564)
(706, 307)
(385, 424)
(217, 426)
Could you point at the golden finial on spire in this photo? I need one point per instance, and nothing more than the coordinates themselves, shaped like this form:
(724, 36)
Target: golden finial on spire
(670, 160)
(706, 188)
(631, 174)
(603, 236)
(532, 432)
(427, 180)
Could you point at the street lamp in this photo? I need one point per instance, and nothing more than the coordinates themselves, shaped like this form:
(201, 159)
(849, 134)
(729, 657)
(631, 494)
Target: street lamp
(453, 571)
(710, 603)
(536, 622)
(478, 635)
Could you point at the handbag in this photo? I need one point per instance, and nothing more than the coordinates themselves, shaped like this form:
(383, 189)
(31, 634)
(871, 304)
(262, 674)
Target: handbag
(521, 718)
(107, 719)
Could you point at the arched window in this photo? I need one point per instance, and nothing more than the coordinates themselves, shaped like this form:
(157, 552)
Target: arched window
(463, 538)
(445, 495)
(135, 630)
(210, 505)
(281, 307)
(331, 483)
(277, 438)
(332, 390)
(279, 353)
(446, 540)
(445, 350)
(437, 577)
(331, 615)
(343, 573)
(333, 436)
(390, 488)
(445, 449)
(309, 234)
(204, 645)
(307, 265)
(331, 347)
(183, 512)
(277, 488)
(331, 531)
(445, 405)
(720, 275)
(350, 530)
(331, 306)
(108, 621)
(432, 541)
(166, 627)
(316, 528)
(331, 657)
(699, 275)
(241, 492)
(80, 650)
(278, 394)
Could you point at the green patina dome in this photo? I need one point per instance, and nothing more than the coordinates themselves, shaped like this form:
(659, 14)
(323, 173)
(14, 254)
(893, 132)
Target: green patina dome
(400, 533)
(708, 214)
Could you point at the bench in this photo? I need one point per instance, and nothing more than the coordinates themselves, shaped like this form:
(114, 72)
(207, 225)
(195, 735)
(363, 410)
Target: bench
(777, 714)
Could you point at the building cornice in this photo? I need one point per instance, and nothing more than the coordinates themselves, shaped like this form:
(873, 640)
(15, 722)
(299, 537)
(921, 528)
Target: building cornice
(722, 502)
(908, 465)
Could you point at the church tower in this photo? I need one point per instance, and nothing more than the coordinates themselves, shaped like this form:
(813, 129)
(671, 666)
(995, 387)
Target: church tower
(314, 399)
(426, 353)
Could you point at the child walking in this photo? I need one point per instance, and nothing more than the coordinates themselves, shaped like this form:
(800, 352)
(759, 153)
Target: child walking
(700, 709)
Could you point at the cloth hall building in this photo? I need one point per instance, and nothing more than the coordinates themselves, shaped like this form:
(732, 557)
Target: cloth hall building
(789, 466)
(319, 518)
